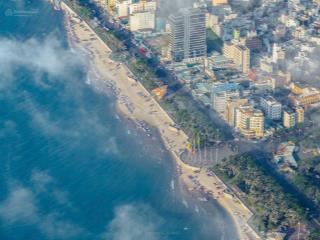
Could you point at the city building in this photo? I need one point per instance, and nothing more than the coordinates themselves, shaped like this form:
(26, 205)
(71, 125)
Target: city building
(218, 61)
(253, 43)
(271, 107)
(221, 93)
(142, 15)
(289, 118)
(122, 8)
(307, 97)
(232, 104)
(250, 121)
(239, 54)
(266, 64)
(262, 86)
(296, 88)
(110, 3)
(188, 34)
(142, 21)
(219, 2)
(299, 114)
(219, 100)
(277, 53)
(211, 20)
(236, 33)
(143, 5)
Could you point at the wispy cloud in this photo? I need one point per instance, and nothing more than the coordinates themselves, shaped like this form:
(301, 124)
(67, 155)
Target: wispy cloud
(40, 180)
(49, 62)
(42, 119)
(19, 206)
(22, 206)
(56, 227)
(306, 69)
(111, 146)
(47, 57)
(134, 222)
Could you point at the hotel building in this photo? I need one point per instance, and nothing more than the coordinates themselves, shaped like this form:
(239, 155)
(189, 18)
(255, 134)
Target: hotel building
(188, 34)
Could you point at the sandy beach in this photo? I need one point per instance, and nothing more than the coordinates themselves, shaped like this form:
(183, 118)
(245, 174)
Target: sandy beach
(136, 104)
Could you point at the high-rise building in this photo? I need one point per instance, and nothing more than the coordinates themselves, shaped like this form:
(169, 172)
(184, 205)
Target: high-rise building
(250, 121)
(239, 54)
(271, 108)
(188, 34)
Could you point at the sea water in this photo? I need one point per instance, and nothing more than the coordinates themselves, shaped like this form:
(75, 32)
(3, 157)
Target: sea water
(70, 167)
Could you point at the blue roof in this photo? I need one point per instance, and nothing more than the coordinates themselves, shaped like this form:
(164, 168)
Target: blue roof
(224, 87)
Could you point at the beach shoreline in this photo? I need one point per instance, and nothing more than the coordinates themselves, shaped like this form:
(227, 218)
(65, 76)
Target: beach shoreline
(135, 103)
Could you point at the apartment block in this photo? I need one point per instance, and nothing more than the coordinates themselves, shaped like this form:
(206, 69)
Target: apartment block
(219, 100)
(231, 106)
(239, 54)
(271, 107)
(299, 114)
(289, 118)
(142, 16)
(142, 21)
(250, 121)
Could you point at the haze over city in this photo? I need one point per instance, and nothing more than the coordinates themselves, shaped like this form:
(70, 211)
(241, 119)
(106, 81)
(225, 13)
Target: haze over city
(159, 119)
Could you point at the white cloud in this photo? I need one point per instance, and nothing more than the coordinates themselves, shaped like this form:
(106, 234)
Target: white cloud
(56, 228)
(40, 180)
(111, 146)
(306, 69)
(47, 57)
(19, 206)
(133, 222)
(62, 198)
(8, 128)
(49, 62)
(42, 119)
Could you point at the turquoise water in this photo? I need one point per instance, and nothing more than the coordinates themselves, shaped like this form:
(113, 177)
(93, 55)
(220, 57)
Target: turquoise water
(70, 168)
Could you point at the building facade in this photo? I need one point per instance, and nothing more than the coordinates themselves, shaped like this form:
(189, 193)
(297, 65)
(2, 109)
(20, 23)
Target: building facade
(250, 121)
(289, 118)
(271, 108)
(188, 34)
(231, 106)
(239, 54)
(142, 21)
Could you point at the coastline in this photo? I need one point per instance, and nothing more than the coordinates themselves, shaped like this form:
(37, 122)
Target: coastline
(135, 103)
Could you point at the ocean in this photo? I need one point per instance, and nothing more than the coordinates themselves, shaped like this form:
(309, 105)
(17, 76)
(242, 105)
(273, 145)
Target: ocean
(71, 167)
